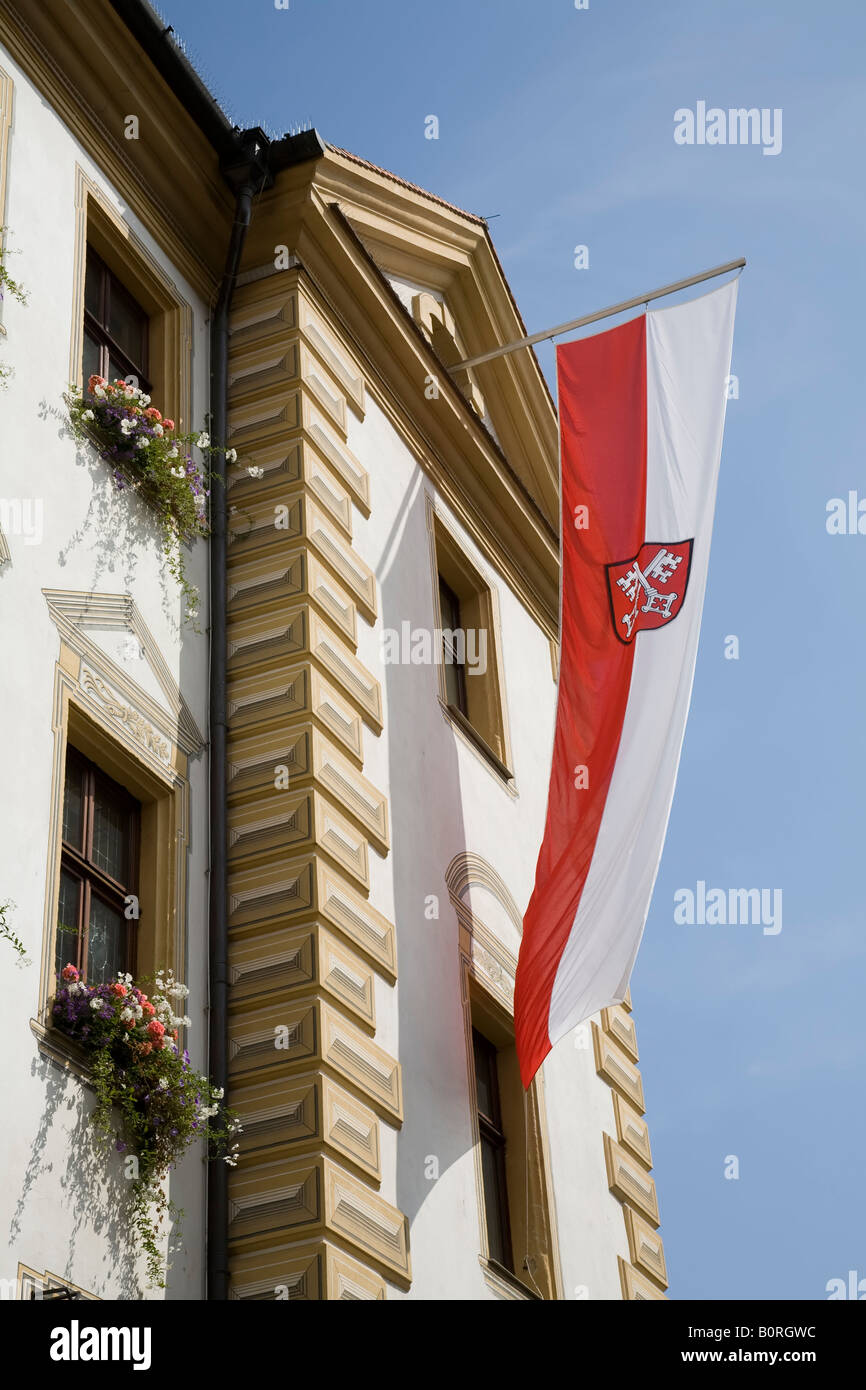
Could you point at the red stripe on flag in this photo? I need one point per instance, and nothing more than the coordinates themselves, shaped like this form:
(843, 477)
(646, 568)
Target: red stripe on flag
(602, 414)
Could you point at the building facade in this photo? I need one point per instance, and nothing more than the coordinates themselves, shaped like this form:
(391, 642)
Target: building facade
(366, 709)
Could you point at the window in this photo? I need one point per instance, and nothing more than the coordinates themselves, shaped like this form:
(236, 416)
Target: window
(492, 1150)
(98, 870)
(453, 652)
(115, 327)
(469, 668)
(49, 1288)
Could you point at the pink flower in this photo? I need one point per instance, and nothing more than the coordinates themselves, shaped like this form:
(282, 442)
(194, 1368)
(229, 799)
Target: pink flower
(148, 1009)
(168, 424)
(118, 989)
(95, 381)
(155, 1030)
(152, 413)
(69, 972)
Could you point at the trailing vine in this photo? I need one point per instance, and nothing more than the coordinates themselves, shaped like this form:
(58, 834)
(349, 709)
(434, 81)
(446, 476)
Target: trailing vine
(139, 1070)
(10, 287)
(147, 455)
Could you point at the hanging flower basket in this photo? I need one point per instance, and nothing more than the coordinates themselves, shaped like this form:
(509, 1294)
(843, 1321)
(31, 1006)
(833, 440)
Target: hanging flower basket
(148, 456)
(131, 1044)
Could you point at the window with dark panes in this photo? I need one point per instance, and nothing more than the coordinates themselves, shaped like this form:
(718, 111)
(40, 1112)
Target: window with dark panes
(98, 870)
(492, 1150)
(115, 327)
(455, 671)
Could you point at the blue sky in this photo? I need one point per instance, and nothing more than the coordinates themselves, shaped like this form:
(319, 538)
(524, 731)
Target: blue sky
(561, 121)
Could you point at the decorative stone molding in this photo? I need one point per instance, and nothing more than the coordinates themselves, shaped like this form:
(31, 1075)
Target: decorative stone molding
(305, 1273)
(629, 1181)
(126, 715)
(632, 1130)
(645, 1247)
(628, 1159)
(614, 1067)
(305, 1073)
(635, 1287)
(75, 614)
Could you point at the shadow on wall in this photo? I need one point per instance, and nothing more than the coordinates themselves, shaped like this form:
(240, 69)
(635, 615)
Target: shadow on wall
(119, 529)
(122, 536)
(92, 1190)
(427, 831)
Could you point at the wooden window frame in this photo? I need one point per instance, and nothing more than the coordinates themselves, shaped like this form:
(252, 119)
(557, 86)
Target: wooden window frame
(100, 227)
(484, 722)
(78, 863)
(98, 330)
(456, 622)
(492, 1134)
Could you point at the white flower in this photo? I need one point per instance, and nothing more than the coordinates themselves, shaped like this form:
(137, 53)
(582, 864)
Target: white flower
(218, 1093)
(203, 440)
(173, 451)
(126, 1014)
(231, 455)
(96, 1003)
(163, 1084)
(256, 472)
(127, 426)
(99, 390)
(137, 1010)
(158, 430)
(88, 415)
(141, 442)
(145, 400)
(178, 471)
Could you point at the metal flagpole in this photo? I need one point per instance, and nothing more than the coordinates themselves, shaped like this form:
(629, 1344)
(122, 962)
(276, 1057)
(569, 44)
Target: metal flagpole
(601, 314)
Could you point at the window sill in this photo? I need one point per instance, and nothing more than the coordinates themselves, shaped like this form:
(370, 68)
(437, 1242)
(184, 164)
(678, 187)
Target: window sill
(459, 718)
(505, 1284)
(61, 1050)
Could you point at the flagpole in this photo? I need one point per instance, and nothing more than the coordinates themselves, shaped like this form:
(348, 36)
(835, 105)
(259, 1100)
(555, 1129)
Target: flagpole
(639, 299)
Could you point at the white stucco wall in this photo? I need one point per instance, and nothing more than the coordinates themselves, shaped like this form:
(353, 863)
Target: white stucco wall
(444, 799)
(58, 1203)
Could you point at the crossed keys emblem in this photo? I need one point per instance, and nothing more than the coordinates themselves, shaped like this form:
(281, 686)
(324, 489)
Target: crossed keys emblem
(639, 588)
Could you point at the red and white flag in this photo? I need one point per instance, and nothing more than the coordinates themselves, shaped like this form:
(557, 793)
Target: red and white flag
(642, 410)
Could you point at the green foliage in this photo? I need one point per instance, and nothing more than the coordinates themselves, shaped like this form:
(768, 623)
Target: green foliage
(7, 934)
(142, 1076)
(10, 287)
(148, 456)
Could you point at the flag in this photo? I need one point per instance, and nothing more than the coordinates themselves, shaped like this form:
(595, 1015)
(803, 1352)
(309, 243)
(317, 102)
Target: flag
(642, 411)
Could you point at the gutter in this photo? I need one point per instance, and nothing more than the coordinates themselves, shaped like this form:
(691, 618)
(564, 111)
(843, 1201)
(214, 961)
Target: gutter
(155, 38)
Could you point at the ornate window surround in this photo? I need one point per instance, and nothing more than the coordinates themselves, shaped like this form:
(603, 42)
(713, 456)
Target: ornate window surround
(444, 541)
(487, 970)
(139, 742)
(99, 224)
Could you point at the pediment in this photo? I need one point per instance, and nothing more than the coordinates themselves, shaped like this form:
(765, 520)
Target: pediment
(423, 245)
(125, 669)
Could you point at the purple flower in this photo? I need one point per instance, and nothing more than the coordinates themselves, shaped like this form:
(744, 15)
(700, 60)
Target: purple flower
(120, 1146)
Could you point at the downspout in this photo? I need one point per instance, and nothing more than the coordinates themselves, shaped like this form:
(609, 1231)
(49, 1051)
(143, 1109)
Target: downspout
(246, 170)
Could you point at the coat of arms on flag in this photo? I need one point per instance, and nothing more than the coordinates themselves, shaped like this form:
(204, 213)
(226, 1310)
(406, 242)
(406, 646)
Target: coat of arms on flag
(648, 590)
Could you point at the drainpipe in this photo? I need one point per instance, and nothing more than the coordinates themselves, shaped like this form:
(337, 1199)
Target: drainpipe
(246, 170)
